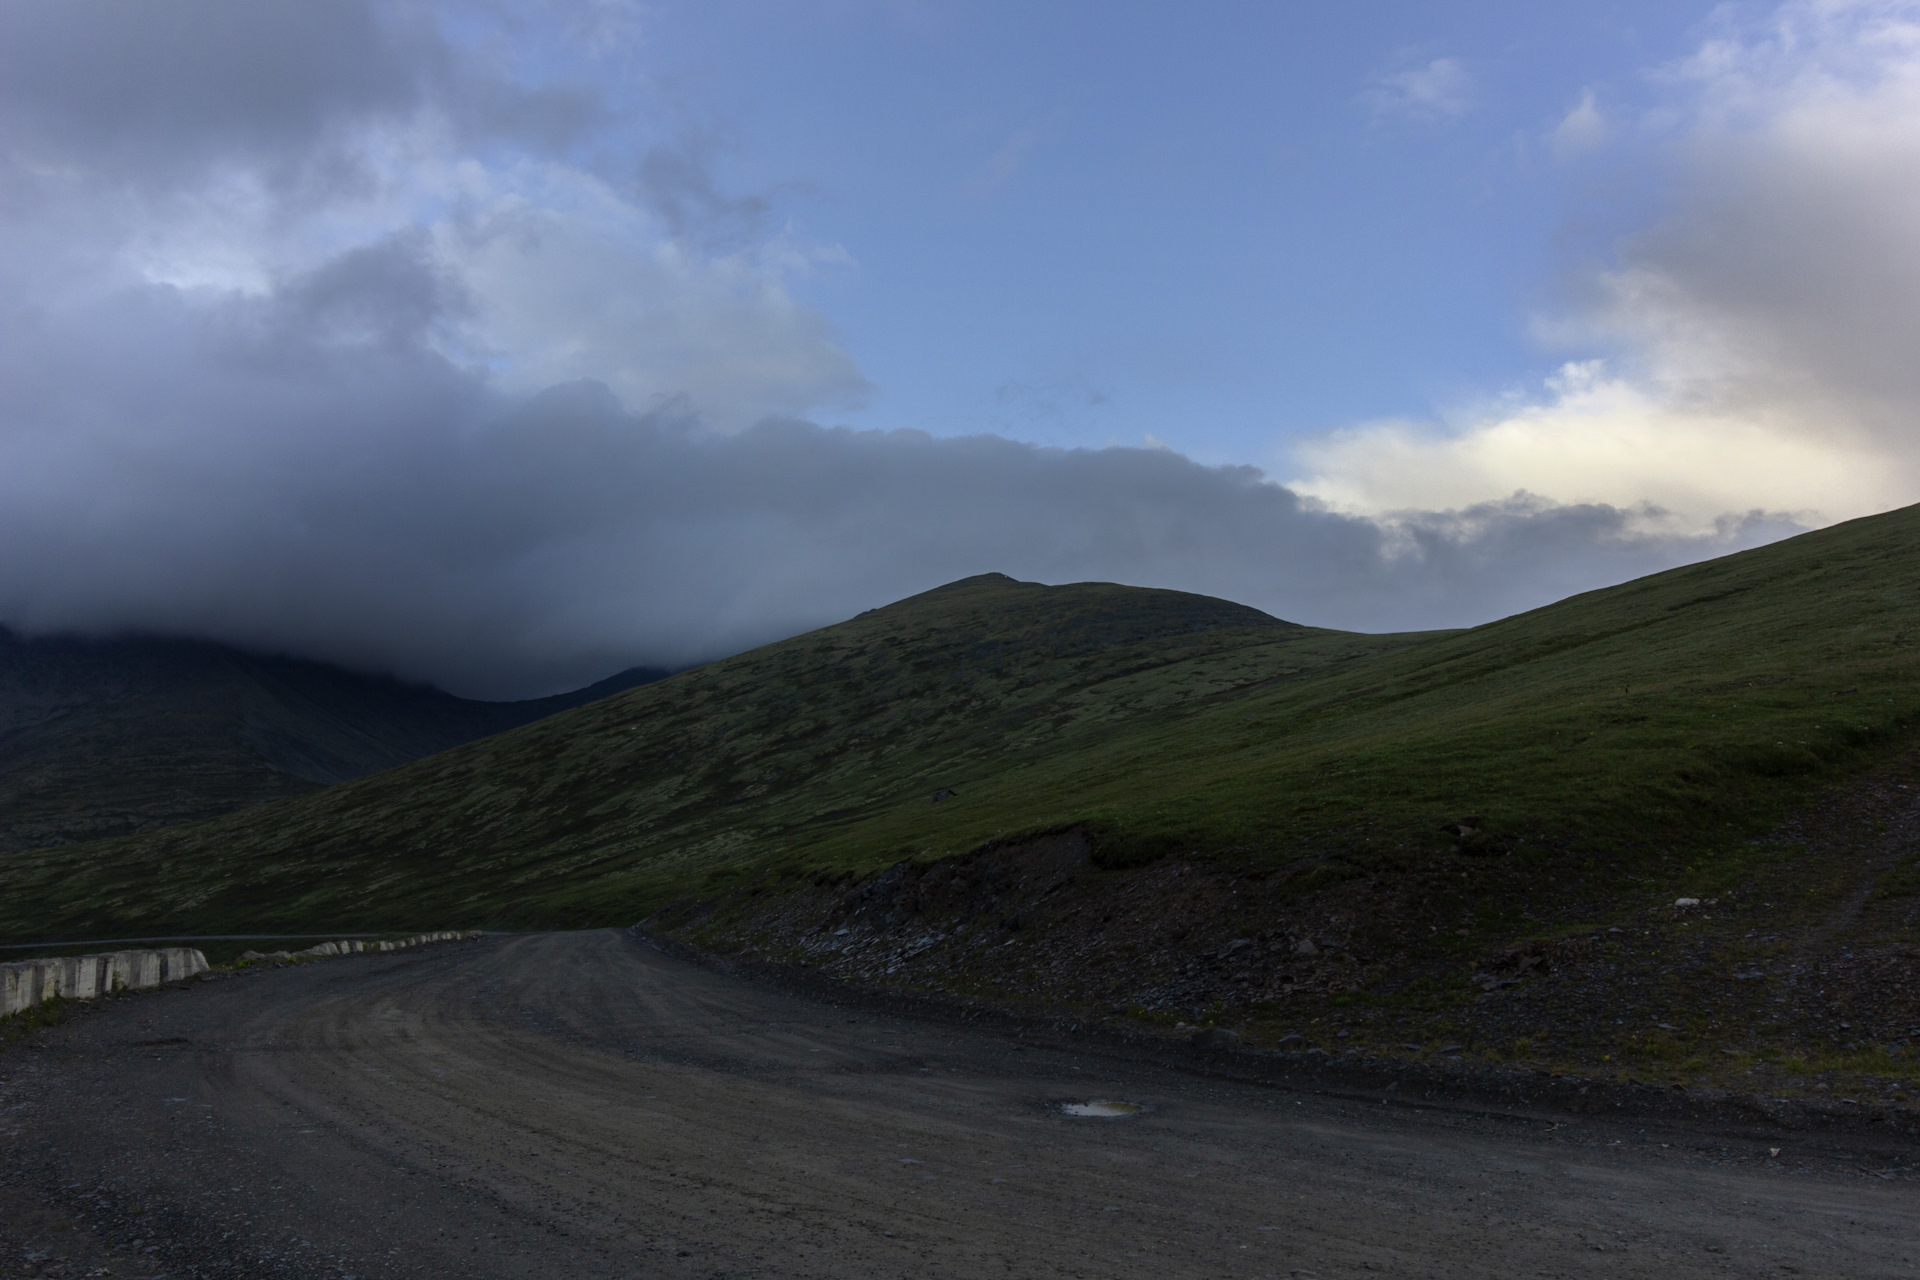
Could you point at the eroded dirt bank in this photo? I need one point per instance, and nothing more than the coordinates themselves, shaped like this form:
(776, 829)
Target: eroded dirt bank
(1794, 975)
(587, 1105)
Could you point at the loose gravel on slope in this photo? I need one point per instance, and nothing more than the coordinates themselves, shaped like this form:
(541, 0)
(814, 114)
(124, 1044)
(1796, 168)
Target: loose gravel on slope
(564, 1105)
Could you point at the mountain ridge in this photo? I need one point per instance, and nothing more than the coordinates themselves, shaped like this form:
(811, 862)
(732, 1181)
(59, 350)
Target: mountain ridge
(99, 736)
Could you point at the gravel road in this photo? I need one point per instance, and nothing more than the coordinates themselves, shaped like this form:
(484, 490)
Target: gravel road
(584, 1105)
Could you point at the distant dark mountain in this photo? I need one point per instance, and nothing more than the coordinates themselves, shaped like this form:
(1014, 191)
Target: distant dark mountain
(108, 737)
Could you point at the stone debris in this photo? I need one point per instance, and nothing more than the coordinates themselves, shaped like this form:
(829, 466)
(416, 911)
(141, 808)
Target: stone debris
(1042, 927)
(1015, 920)
(1215, 1040)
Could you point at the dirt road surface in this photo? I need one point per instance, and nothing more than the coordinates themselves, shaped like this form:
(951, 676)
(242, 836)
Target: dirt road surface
(585, 1105)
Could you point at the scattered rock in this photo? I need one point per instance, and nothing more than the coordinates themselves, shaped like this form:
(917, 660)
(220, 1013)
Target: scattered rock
(1473, 838)
(1215, 1040)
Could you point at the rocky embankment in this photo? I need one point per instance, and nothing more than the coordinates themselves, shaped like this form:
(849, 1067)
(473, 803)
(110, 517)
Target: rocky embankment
(1729, 991)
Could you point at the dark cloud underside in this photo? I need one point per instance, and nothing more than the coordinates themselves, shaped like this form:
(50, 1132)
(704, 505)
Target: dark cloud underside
(308, 318)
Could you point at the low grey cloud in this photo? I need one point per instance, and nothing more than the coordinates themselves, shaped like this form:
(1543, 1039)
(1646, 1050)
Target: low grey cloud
(677, 180)
(158, 93)
(286, 360)
(304, 472)
(135, 82)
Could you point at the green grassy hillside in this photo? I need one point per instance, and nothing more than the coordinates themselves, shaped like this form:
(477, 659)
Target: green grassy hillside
(1660, 723)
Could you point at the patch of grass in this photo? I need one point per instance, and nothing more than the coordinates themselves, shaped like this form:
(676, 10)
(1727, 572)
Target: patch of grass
(1660, 1047)
(18, 1026)
(1874, 1060)
(1902, 882)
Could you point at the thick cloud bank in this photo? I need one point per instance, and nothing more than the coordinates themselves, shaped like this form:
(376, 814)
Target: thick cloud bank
(1762, 336)
(321, 330)
(227, 472)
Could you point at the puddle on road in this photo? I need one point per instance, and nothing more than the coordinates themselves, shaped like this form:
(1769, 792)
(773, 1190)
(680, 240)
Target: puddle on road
(1101, 1109)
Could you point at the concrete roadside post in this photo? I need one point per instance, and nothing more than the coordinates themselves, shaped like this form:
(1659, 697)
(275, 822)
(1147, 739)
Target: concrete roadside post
(25, 983)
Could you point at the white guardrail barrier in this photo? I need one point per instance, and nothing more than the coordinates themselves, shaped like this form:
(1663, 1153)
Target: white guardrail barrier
(25, 983)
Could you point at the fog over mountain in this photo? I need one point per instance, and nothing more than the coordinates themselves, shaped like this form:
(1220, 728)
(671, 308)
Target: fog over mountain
(330, 329)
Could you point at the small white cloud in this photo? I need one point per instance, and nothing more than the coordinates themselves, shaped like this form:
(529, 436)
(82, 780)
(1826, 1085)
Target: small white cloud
(1440, 90)
(1582, 129)
(998, 168)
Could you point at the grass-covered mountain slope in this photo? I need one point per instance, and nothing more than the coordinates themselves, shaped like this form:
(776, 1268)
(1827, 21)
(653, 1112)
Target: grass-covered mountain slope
(812, 748)
(100, 737)
(1619, 733)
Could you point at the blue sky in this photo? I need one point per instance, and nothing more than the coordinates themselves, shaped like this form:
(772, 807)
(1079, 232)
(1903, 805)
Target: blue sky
(504, 343)
(1215, 224)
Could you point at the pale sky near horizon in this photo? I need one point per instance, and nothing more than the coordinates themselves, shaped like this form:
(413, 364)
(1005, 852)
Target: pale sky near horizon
(502, 343)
